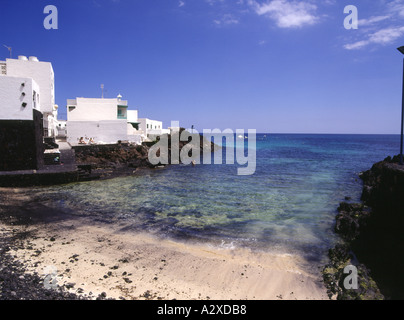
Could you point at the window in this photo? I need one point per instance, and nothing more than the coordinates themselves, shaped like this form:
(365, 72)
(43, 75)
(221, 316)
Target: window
(34, 99)
(121, 113)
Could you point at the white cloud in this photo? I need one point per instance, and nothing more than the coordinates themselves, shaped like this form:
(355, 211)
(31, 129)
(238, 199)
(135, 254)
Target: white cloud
(181, 3)
(386, 36)
(287, 14)
(383, 29)
(372, 20)
(381, 37)
(226, 19)
(356, 45)
(397, 6)
(212, 2)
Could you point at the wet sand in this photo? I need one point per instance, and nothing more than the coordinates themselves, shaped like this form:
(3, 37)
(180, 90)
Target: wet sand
(92, 258)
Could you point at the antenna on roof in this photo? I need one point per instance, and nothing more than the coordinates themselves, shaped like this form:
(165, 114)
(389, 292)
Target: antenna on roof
(102, 91)
(9, 49)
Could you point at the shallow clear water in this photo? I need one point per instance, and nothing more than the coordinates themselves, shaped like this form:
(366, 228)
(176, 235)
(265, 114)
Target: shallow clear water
(289, 204)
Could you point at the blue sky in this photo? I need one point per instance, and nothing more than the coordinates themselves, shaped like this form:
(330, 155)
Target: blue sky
(276, 66)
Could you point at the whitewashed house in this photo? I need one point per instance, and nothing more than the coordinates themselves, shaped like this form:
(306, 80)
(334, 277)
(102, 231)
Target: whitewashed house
(135, 135)
(18, 98)
(21, 124)
(101, 121)
(43, 76)
(61, 129)
(152, 128)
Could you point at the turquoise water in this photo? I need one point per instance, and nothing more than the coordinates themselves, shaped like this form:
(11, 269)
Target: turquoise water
(288, 205)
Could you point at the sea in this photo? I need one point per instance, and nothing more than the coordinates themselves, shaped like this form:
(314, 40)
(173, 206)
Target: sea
(288, 205)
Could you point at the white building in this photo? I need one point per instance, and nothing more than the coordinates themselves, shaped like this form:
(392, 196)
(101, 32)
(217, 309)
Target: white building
(18, 98)
(21, 124)
(152, 128)
(134, 133)
(61, 129)
(101, 121)
(42, 74)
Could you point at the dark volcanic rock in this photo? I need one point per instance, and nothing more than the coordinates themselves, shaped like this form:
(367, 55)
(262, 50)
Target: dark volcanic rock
(350, 219)
(334, 276)
(383, 186)
(112, 155)
(15, 284)
(380, 244)
(124, 157)
(372, 233)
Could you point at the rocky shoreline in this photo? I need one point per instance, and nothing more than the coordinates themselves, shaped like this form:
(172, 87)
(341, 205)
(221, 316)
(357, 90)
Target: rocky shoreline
(370, 231)
(23, 223)
(371, 237)
(93, 162)
(98, 162)
(122, 159)
(15, 282)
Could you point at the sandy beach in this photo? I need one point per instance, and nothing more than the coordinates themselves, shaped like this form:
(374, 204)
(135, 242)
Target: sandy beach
(91, 258)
